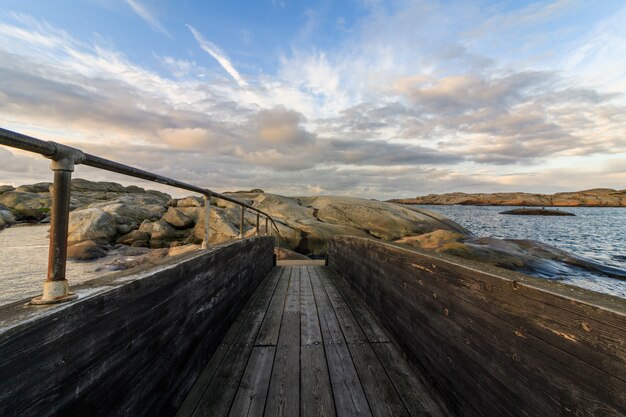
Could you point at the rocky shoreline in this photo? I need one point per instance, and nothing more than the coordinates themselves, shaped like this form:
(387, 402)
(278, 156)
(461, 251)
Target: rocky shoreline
(145, 226)
(597, 197)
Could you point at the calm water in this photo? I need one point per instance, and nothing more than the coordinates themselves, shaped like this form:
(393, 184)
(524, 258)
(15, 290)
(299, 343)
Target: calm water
(594, 233)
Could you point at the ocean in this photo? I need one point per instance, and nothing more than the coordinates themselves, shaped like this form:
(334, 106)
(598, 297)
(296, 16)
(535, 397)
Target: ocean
(595, 233)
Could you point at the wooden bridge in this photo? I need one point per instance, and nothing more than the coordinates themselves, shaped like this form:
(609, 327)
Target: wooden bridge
(381, 330)
(304, 345)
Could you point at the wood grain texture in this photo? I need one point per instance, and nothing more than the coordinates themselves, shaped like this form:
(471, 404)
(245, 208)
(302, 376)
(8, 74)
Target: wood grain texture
(133, 346)
(493, 342)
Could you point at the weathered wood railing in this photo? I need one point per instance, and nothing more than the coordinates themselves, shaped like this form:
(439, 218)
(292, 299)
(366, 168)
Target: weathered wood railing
(496, 343)
(64, 158)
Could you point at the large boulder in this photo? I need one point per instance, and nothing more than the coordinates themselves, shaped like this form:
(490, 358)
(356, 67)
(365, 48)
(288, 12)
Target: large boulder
(40, 187)
(222, 227)
(6, 217)
(92, 224)
(18, 200)
(178, 218)
(86, 251)
(6, 188)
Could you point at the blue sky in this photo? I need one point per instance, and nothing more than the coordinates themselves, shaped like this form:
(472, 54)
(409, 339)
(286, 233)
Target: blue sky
(364, 97)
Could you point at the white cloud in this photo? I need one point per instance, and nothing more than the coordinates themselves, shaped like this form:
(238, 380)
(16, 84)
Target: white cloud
(219, 56)
(146, 15)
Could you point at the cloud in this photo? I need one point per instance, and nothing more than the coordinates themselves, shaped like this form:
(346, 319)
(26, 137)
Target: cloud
(212, 49)
(373, 116)
(147, 16)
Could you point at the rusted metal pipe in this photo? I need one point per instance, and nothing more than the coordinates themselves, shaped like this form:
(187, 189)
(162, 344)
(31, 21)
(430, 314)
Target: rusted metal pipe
(243, 210)
(56, 288)
(207, 220)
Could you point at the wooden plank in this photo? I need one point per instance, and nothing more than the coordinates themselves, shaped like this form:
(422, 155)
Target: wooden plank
(381, 393)
(271, 281)
(413, 390)
(316, 392)
(284, 390)
(371, 326)
(221, 391)
(252, 392)
(348, 393)
(268, 334)
(195, 394)
(310, 332)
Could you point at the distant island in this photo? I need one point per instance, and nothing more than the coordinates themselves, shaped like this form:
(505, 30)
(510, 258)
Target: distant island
(597, 197)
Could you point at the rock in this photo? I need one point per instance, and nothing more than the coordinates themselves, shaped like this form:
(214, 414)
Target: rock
(92, 224)
(222, 226)
(6, 188)
(134, 236)
(191, 201)
(525, 256)
(433, 240)
(41, 187)
(86, 251)
(537, 212)
(162, 231)
(6, 217)
(140, 244)
(283, 254)
(123, 229)
(146, 226)
(16, 200)
(597, 197)
(177, 218)
(180, 250)
(79, 184)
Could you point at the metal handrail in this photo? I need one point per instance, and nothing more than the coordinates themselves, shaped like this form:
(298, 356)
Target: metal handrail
(56, 288)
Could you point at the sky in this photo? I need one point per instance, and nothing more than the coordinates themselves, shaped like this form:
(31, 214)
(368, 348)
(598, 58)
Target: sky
(367, 98)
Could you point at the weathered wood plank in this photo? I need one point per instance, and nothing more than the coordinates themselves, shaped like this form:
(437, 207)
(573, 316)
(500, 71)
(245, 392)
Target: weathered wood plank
(507, 335)
(310, 332)
(195, 394)
(315, 390)
(284, 390)
(415, 393)
(371, 326)
(381, 394)
(220, 392)
(252, 393)
(268, 334)
(350, 399)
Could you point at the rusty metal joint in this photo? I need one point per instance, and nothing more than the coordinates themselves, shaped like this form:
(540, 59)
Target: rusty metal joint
(65, 157)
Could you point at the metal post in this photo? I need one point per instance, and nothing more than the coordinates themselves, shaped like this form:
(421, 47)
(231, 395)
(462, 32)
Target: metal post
(207, 220)
(267, 231)
(258, 222)
(55, 287)
(243, 209)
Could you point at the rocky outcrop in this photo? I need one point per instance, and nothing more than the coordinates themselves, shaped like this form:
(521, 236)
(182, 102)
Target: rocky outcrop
(537, 212)
(597, 197)
(534, 258)
(110, 216)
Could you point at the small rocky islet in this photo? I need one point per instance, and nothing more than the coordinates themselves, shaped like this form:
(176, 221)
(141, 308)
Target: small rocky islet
(537, 212)
(150, 224)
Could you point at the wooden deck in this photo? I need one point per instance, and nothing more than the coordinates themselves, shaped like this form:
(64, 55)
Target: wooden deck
(304, 346)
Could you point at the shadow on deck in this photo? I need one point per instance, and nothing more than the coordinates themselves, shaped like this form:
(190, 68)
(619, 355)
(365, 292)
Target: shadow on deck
(305, 346)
